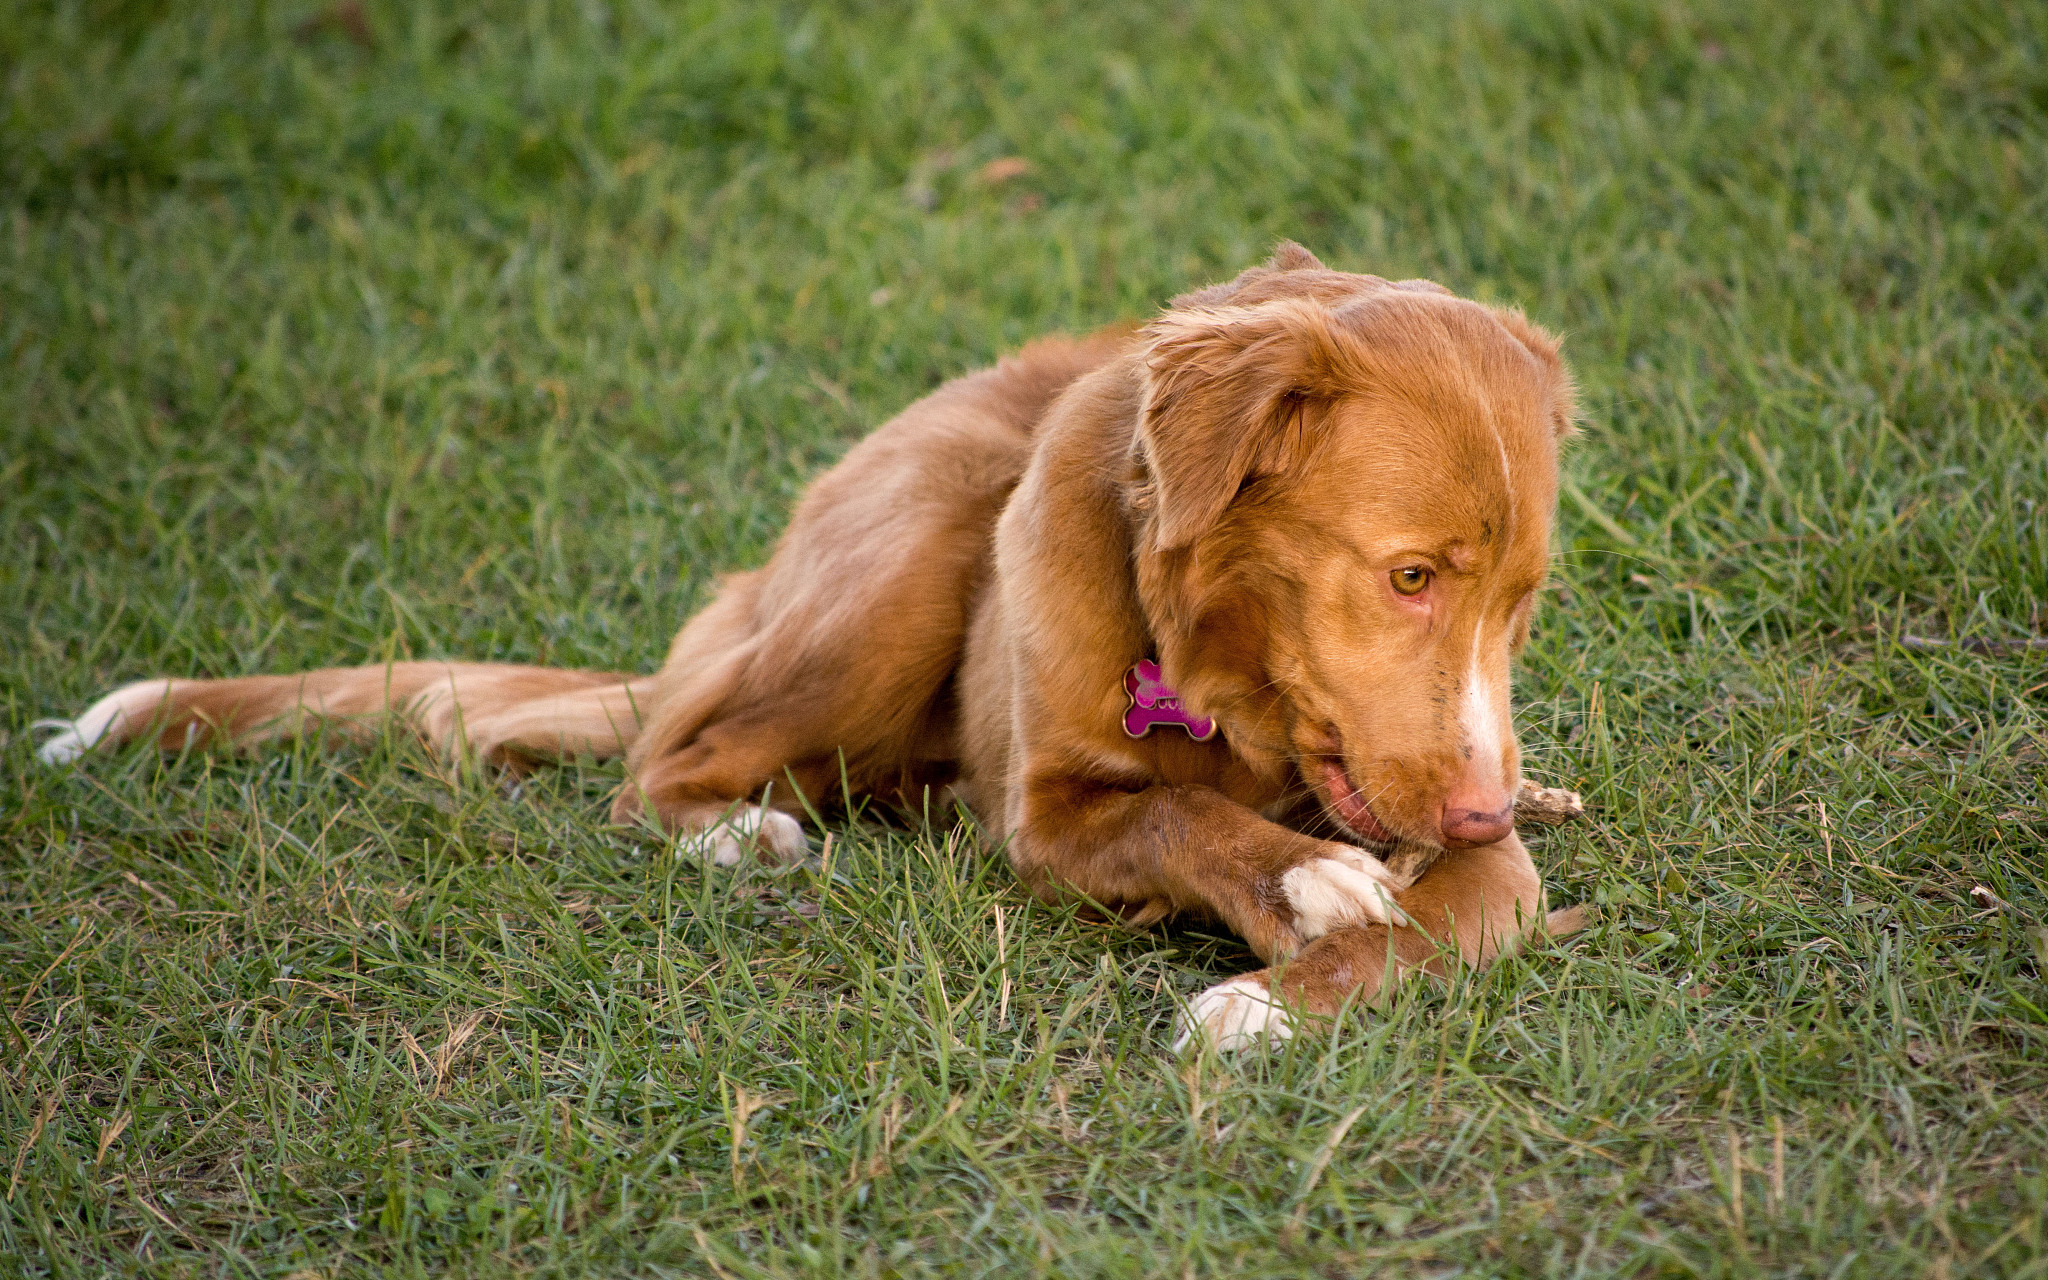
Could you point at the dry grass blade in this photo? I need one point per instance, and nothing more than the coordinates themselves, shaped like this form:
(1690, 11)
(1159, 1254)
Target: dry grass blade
(28, 1143)
(108, 1133)
(445, 1055)
(1320, 1163)
(29, 992)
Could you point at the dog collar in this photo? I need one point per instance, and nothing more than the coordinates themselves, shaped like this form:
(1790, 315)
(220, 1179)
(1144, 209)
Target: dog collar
(1154, 702)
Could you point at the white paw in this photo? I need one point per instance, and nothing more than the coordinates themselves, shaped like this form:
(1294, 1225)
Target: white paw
(1347, 887)
(76, 737)
(773, 836)
(1232, 1014)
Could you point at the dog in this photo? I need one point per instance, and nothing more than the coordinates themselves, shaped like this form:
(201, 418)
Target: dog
(1204, 618)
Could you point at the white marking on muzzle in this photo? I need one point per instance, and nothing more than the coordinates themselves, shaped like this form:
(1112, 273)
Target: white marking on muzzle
(1482, 717)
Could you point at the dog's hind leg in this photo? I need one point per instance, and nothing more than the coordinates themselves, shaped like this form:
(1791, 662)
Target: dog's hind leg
(1471, 908)
(844, 647)
(705, 665)
(717, 791)
(768, 729)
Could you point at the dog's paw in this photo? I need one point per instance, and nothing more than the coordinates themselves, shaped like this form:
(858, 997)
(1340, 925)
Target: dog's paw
(1345, 886)
(772, 836)
(1230, 1015)
(1568, 920)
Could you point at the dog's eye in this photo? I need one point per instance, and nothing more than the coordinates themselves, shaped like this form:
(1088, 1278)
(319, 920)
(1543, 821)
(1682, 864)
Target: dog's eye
(1410, 581)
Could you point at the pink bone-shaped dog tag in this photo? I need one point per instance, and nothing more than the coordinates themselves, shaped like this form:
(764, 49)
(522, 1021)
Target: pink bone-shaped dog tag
(1154, 702)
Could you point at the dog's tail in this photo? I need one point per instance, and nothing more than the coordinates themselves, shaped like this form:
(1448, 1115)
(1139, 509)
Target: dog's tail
(509, 715)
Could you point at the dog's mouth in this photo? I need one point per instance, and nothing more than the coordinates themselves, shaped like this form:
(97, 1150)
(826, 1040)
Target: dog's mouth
(1351, 807)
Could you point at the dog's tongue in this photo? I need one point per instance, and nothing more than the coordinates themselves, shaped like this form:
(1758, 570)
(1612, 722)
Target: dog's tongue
(1350, 805)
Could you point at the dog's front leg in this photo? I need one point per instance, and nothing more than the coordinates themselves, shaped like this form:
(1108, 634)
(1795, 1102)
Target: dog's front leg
(1162, 850)
(1471, 907)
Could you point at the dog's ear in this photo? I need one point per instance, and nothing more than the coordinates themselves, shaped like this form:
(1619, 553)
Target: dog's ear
(1543, 345)
(1231, 394)
(1289, 256)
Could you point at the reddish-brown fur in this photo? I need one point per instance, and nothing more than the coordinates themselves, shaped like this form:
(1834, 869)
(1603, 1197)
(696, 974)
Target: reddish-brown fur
(1245, 490)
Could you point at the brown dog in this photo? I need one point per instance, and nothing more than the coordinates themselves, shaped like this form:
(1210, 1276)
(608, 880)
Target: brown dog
(1320, 502)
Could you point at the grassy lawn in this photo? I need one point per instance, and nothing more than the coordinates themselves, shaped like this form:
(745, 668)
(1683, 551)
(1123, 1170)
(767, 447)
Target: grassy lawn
(498, 330)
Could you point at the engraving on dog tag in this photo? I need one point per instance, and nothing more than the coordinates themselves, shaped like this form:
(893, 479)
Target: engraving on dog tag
(1154, 702)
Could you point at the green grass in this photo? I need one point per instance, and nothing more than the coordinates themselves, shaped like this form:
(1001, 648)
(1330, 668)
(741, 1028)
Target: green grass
(499, 330)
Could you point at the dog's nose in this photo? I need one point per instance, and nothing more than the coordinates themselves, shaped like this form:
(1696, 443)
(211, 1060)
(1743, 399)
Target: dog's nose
(1470, 820)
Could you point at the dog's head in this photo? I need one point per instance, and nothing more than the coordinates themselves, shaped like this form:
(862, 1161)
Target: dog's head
(1345, 489)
